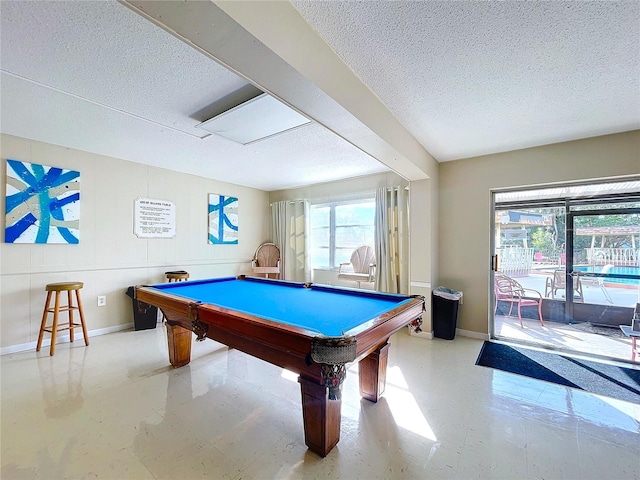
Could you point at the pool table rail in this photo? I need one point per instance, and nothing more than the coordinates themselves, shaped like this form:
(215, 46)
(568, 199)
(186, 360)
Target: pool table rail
(191, 315)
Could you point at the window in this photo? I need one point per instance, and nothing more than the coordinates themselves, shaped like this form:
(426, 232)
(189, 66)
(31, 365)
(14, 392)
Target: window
(337, 229)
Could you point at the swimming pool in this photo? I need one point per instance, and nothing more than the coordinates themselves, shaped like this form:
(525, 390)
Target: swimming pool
(615, 270)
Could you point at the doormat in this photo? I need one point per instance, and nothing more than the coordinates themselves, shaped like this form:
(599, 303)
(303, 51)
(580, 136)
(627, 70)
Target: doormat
(600, 378)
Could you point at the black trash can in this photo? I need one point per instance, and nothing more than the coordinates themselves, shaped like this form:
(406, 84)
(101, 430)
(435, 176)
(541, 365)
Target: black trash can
(145, 316)
(444, 312)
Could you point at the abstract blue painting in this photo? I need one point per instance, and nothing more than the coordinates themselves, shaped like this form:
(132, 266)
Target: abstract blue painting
(42, 204)
(223, 219)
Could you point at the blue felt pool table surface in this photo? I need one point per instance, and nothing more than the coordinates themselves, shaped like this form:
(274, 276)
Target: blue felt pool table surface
(329, 311)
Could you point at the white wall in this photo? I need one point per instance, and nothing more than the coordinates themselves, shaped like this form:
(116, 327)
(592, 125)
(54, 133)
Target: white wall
(465, 204)
(109, 257)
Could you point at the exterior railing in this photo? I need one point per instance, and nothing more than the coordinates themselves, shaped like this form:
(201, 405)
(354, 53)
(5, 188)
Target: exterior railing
(515, 261)
(550, 256)
(613, 256)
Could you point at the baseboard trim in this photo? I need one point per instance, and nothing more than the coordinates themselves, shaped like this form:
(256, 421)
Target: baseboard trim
(23, 347)
(472, 334)
(462, 333)
(423, 334)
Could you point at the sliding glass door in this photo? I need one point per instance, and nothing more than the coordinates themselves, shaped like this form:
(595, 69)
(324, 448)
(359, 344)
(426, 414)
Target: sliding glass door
(605, 264)
(566, 267)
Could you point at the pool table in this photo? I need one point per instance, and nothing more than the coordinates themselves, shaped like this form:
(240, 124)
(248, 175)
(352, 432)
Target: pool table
(312, 330)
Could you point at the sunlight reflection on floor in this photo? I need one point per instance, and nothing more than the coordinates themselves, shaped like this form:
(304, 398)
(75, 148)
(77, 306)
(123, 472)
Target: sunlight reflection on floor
(403, 405)
(598, 409)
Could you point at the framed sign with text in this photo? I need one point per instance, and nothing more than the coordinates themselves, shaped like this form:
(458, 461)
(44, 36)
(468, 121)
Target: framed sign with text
(154, 218)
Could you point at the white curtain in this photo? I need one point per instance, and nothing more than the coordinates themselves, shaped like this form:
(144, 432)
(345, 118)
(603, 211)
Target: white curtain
(392, 240)
(290, 229)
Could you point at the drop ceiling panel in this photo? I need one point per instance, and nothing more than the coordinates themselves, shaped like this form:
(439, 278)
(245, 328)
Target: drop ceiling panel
(256, 119)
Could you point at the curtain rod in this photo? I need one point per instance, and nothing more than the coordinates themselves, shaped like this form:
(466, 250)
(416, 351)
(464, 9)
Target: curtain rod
(337, 198)
(291, 202)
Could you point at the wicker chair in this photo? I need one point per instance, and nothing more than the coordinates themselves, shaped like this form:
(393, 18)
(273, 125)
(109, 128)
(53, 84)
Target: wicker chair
(266, 260)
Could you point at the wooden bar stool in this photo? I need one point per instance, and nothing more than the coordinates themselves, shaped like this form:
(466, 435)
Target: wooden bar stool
(177, 276)
(56, 327)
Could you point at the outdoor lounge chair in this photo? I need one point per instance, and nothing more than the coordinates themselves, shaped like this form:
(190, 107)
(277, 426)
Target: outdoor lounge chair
(599, 282)
(559, 282)
(361, 268)
(508, 290)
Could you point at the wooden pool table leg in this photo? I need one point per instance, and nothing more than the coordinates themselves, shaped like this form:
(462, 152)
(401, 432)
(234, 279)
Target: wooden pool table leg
(321, 417)
(372, 371)
(179, 342)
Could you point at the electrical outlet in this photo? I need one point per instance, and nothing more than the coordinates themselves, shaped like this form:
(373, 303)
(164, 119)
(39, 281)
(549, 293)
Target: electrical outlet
(102, 300)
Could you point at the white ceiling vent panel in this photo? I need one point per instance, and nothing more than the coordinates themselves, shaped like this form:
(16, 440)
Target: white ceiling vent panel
(256, 119)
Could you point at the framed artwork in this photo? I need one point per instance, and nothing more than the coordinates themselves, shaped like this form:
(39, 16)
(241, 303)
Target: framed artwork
(223, 219)
(42, 204)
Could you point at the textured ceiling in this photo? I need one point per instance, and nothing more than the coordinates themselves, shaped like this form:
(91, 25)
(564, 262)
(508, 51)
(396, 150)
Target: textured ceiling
(464, 78)
(105, 53)
(471, 78)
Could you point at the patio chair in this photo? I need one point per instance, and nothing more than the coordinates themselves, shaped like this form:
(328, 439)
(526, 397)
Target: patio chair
(599, 282)
(559, 282)
(361, 268)
(266, 260)
(508, 290)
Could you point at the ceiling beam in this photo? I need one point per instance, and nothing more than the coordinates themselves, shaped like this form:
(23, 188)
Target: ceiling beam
(270, 45)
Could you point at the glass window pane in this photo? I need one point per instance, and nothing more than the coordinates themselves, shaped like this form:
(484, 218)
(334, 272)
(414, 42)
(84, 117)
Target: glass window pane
(343, 255)
(319, 216)
(355, 214)
(605, 206)
(353, 237)
(529, 238)
(606, 239)
(338, 229)
(319, 257)
(320, 237)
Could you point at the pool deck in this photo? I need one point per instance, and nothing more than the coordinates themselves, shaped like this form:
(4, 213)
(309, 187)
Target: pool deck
(563, 337)
(576, 338)
(623, 295)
